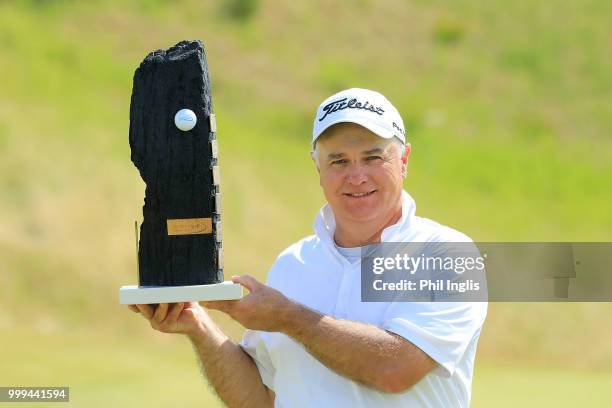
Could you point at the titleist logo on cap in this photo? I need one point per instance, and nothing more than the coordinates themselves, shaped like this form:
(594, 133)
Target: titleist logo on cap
(399, 128)
(341, 104)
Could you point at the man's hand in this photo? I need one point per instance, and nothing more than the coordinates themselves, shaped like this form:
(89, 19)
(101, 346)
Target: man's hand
(262, 309)
(185, 318)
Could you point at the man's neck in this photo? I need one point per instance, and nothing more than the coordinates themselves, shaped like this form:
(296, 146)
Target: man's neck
(350, 234)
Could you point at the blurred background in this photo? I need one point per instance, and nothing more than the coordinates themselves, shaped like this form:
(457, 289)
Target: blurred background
(507, 105)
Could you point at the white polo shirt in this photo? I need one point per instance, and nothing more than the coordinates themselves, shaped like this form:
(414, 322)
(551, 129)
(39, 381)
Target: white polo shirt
(315, 274)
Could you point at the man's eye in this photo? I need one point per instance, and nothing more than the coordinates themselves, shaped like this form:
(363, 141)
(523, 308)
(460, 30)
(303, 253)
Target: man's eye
(371, 158)
(341, 161)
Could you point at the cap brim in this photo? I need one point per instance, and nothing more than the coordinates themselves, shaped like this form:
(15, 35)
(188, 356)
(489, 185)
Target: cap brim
(372, 127)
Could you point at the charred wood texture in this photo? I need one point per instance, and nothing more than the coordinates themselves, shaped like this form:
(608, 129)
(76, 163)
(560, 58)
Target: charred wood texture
(175, 165)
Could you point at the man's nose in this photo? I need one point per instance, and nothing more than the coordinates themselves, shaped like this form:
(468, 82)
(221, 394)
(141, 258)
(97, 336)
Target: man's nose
(356, 175)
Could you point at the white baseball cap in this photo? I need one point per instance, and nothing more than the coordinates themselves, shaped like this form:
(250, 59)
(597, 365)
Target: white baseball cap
(364, 107)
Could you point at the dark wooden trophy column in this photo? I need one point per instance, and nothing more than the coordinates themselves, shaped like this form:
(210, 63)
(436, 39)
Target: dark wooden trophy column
(173, 144)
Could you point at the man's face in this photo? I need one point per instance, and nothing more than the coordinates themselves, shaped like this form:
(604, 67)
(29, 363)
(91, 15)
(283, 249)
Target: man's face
(361, 174)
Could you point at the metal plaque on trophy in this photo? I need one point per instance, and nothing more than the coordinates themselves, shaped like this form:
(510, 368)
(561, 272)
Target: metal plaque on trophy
(173, 144)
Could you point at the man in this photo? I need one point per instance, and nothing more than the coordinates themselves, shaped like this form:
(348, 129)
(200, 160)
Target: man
(311, 341)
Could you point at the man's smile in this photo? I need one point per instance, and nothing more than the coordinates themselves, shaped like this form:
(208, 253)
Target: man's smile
(360, 194)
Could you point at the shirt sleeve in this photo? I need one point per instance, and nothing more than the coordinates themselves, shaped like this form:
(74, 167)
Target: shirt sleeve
(254, 345)
(443, 330)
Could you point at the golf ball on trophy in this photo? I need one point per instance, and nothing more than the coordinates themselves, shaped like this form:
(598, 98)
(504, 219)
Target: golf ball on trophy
(185, 119)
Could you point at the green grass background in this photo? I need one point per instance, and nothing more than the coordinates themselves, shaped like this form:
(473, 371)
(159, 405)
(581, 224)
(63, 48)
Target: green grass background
(507, 105)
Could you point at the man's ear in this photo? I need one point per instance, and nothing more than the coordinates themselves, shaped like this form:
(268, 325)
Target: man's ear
(405, 159)
(314, 159)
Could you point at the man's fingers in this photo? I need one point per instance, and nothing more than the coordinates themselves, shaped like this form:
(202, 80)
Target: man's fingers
(175, 311)
(145, 310)
(220, 305)
(133, 308)
(247, 281)
(211, 305)
(160, 312)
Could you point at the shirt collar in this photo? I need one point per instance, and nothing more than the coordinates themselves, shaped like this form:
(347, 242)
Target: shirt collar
(325, 223)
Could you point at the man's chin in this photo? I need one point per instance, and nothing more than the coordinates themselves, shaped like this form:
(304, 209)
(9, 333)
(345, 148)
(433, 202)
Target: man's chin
(363, 214)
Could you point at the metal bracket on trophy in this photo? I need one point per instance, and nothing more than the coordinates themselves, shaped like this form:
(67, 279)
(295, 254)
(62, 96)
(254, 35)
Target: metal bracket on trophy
(174, 146)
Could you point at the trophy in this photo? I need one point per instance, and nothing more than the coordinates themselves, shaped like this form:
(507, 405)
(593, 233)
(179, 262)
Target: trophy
(174, 146)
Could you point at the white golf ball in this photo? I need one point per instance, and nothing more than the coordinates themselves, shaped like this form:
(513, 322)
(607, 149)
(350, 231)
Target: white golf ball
(185, 119)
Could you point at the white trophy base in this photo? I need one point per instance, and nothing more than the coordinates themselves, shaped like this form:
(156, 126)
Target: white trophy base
(134, 294)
